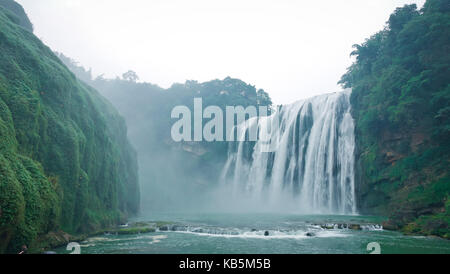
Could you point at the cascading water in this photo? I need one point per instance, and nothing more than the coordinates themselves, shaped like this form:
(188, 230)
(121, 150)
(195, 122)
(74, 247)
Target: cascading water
(306, 163)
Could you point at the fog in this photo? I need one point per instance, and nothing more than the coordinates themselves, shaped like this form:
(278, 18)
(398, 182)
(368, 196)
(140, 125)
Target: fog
(292, 49)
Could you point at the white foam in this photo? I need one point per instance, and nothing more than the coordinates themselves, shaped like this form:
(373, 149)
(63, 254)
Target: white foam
(273, 234)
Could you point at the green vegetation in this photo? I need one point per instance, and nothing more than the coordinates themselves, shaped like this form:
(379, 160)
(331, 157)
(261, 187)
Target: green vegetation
(135, 230)
(401, 104)
(174, 172)
(16, 13)
(65, 162)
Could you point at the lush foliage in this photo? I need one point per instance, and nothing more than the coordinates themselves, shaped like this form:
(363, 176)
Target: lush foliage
(174, 173)
(401, 104)
(65, 162)
(16, 13)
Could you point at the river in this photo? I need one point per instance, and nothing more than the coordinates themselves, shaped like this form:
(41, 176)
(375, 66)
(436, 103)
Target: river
(245, 234)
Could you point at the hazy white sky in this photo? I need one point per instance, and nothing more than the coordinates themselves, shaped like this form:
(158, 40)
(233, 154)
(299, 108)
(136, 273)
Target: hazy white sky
(292, 49)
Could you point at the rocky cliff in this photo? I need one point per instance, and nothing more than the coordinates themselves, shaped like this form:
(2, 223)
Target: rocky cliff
(65, 161)
(401, 106)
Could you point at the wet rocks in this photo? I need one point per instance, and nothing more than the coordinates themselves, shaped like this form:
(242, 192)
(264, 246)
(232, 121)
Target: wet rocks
(56, 239)
(327, 226)
(135, 230)
(179, 228)
(390, 225)
(354, 226)
(164, 228)
(198, 230)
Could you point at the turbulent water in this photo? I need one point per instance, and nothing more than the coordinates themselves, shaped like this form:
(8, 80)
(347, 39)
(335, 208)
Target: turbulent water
(209, 233)
(303, 171)
(303, 159)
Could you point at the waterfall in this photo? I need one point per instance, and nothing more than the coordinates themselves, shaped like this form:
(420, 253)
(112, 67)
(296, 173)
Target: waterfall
(305, 163)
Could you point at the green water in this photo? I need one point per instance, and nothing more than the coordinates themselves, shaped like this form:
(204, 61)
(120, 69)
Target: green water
(231, 234)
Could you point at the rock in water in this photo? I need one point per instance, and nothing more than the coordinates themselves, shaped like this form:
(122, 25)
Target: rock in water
(354, 226)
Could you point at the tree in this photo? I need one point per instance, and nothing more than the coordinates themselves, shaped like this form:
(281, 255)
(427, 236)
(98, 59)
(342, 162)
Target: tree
(130, 76)
(401, 88)
(401, 16)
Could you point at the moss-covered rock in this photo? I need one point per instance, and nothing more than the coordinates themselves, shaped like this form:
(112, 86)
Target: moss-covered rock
(65, 161)
(17, 14)
(401, 106)
(135, 230)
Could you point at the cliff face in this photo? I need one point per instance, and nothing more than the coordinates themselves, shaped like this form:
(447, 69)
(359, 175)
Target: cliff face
(401, 106)
(16, 13)
(176, 175)
(65, 161)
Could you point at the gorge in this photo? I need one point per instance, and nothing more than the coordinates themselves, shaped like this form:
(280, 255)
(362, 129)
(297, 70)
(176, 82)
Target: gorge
(327, 174)
(399, 104)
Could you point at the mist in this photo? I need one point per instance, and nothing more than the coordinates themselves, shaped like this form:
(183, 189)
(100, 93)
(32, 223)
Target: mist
(289, 48)
(234, 127)
(174, 176)
(292, 49)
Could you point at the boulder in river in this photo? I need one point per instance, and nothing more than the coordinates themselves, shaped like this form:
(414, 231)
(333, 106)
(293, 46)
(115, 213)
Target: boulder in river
(164, 228)
(389, 225)
(354, 226)
(327, 226)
